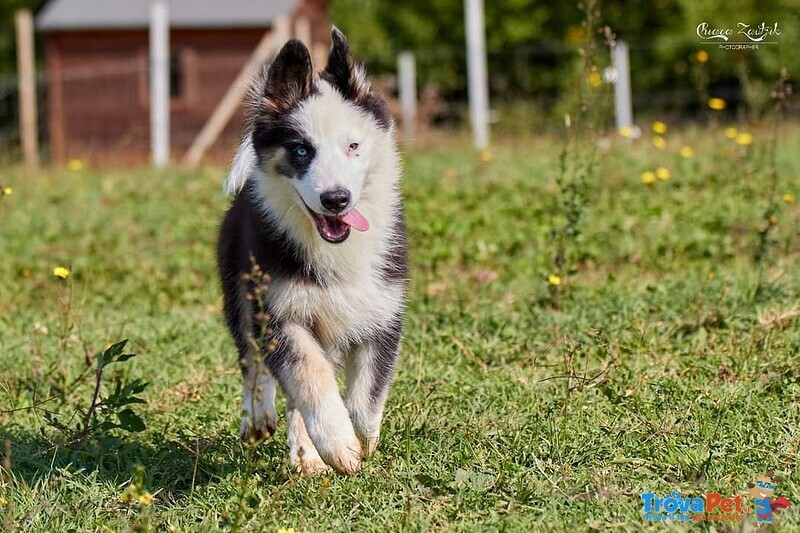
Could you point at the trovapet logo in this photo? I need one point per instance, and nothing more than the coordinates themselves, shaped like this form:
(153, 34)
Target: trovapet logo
(713, 506)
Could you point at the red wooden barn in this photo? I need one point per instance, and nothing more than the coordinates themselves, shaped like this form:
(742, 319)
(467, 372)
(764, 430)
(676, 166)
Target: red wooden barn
(96, 59)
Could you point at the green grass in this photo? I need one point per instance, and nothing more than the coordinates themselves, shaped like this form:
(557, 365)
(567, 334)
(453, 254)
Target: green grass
(657, 365)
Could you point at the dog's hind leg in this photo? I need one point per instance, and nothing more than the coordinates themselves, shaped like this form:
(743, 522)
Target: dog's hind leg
(370, 369)
(259, 418)
(309, 381)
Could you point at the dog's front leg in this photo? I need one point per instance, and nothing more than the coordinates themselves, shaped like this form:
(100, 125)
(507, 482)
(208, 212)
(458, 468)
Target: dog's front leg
(303, 455)
(259, 418)
(370, 370)
(309, 381)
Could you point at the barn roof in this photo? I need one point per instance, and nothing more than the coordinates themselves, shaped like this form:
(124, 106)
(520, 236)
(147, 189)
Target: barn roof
(135, 14)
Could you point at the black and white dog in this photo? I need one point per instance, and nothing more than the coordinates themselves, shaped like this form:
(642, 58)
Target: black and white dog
(317, 205)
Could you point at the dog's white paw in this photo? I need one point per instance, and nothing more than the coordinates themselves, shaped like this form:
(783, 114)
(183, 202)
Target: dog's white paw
(307, 463)
(254, 429)
(333, 436)
(368, 428)
(346, 460)
(369, 445)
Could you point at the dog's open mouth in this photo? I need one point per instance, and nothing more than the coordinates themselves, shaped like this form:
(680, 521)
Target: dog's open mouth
(336, 229)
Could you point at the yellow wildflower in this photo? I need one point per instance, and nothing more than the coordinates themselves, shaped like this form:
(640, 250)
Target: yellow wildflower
(788, 198)
(146, 499)
(554, 279)
(717, 104)
(75, 165)
(773, 220)
(663, 173)
(731, 132)
(687, 152)
(701, 56)
(575, 35)
(626, 131)
(659, 142)
(486, 155)
(648, 177)
(659, 127)
(595, 79)
(744, 139)
(61, 272)
(7, 191)
(286, 530)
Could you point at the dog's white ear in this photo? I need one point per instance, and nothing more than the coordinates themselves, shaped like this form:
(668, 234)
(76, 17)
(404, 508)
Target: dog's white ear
(244, 162)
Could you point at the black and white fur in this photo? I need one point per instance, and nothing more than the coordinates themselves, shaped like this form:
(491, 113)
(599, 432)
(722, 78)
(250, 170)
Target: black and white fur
(331, 306)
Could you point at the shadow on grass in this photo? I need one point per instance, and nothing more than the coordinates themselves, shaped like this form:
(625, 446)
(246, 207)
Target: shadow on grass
(175, 466)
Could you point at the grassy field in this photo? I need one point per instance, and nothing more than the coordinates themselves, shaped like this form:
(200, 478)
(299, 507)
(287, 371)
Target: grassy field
(663, 356)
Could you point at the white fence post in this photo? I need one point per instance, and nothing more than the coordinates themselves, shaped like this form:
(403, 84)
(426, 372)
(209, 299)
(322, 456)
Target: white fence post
(159, 82)
(623, 104)
(27, 88)
(407, 89)
(477, 71)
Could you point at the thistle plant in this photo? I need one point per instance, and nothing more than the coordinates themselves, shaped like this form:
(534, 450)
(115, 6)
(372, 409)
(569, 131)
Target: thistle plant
(578, 160)
(780, 94)
(260, 343)
(259, 338)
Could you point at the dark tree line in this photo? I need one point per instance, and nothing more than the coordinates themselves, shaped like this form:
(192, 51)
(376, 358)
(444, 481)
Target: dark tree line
(536, 40)
(8, 48)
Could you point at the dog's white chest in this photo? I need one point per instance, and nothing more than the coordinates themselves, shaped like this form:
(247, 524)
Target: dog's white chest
(340, 313)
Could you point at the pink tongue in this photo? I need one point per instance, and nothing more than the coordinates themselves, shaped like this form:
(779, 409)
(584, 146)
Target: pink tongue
(355, 219)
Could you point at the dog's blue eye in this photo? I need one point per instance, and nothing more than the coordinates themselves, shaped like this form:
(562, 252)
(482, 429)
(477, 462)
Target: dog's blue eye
(301, 151)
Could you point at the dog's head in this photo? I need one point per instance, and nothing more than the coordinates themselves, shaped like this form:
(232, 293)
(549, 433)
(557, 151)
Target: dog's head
(317, 140)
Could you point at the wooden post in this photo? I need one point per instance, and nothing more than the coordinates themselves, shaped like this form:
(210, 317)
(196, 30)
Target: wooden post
(26, 70)
(302, 31)
(477, 73)
(159, 82)
(319, 56)
(407, 89)
(269, 45)
(623, 103)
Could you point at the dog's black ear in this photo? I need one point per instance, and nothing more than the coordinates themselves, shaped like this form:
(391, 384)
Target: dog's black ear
(342, 71)
(289, 78)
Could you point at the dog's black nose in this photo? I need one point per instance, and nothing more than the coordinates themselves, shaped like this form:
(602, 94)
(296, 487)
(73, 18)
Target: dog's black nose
(335, 200)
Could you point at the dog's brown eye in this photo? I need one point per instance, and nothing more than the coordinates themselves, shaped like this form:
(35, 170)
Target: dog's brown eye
(353, 147)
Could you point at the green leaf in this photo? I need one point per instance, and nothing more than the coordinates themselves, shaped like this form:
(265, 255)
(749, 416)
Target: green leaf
(115, 349)
(130, 421)
(124, 357)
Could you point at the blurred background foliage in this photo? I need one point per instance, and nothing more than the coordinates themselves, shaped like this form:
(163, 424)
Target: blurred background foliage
(8, 51)
(532, 45)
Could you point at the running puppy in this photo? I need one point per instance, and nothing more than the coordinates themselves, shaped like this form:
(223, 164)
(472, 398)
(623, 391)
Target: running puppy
(317, 206)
